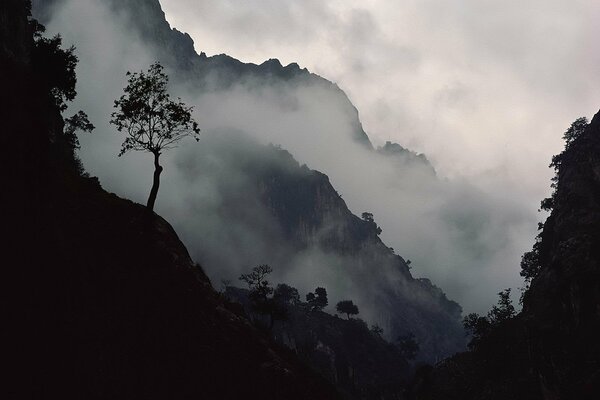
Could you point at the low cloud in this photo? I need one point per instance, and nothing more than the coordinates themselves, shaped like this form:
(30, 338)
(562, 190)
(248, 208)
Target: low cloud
(465, 229)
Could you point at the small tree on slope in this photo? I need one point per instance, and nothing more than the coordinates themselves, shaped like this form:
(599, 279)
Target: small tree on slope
(347, 307)
(152, 121)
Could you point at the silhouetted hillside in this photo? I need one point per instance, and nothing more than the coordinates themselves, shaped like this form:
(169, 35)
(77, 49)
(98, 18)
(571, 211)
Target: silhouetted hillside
(268, 208)
(357, 360)
(105, 298)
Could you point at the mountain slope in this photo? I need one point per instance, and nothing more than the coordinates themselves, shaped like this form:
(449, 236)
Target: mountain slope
(239, 195)
(105, 298)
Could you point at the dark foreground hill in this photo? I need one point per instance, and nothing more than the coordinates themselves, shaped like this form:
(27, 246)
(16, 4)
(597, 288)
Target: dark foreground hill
(105, 301)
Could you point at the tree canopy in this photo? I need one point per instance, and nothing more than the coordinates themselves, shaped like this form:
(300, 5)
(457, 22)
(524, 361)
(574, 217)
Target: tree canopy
(347, 307)
(479, 326)
(264, 299)
(317, 300)
(151, 121)
(54, 66)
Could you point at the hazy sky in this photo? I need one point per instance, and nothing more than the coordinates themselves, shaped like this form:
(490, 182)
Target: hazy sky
(483, 88)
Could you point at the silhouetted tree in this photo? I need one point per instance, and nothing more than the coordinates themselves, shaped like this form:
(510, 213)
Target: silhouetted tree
(54, 69)
(368, 217)
(152, 121)
(347, 307)
(262, 294)
(530, 263)
(78, 122)
(257, 281)
(54, 66)
(479, 326)
(317, 301)
(286, 294)
(576, 129)
(504, 310)
(408, 346)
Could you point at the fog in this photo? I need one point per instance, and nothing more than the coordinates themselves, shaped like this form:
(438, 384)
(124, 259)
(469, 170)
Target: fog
(464, 229)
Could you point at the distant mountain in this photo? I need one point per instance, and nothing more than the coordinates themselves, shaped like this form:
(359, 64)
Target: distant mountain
(272, 210)
(300, 225)
(404, 157)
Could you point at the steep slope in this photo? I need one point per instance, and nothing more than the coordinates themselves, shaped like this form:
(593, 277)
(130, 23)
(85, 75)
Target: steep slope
(105, 298)
(271, 210)
(551, 350)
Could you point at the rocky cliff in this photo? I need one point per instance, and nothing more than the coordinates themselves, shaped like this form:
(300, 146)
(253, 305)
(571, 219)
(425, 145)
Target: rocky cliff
(551, 349)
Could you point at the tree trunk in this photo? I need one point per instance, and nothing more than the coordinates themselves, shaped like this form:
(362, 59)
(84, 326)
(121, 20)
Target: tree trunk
(155, 183)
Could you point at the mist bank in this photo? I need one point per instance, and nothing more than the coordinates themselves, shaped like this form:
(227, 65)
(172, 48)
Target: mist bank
(465, 238)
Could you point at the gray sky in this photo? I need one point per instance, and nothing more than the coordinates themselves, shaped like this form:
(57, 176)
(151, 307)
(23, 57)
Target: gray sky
(483, 88)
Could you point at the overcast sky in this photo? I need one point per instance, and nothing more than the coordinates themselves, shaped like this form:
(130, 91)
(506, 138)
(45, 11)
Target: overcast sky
(483, 88)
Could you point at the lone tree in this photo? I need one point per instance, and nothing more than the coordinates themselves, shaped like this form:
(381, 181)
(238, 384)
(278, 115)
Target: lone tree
(347, 307)
(264, 299)
(152, 122)
(317, 300)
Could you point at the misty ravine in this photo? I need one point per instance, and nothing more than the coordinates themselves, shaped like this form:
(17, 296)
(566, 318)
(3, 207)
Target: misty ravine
(307, 258)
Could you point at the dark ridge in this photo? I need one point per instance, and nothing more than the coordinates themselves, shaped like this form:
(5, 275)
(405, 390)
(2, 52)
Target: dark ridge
(104, 300)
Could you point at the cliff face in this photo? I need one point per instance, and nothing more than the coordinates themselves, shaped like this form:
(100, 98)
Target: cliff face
(563, 302)
(176, 50)
(304, 223)
(550, 350)
(105, 299)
